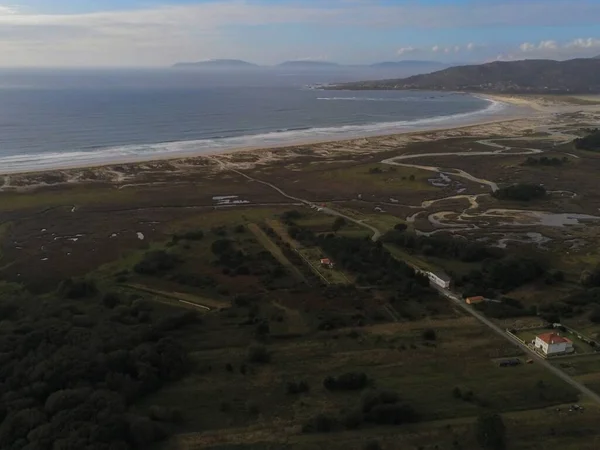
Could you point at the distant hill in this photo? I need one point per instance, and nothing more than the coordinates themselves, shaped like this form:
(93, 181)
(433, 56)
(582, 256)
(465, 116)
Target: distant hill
(576, 76)
(596, 57)
(216, 63)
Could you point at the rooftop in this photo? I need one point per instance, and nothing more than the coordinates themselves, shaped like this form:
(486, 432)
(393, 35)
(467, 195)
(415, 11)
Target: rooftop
(553, 338)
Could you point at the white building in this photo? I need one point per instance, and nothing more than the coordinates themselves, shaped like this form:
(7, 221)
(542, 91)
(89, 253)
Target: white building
(553, 344)
(440, 279)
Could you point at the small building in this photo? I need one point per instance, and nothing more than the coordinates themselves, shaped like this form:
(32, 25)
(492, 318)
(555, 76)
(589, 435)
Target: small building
(326, 262)
(551, 344)
(475, 300)
(440, 279)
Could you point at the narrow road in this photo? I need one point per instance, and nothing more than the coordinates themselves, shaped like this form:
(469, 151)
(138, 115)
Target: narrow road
(555, 370)
(325, 210)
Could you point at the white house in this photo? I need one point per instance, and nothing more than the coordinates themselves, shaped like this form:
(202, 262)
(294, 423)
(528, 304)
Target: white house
(440, 279)
(553, 344)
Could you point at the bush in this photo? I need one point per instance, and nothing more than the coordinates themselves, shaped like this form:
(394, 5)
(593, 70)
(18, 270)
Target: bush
(392, 414)
(156, 262)
(111, 299)
(353, 420)
(521, 192)
(321, 423)
(373, 398)
(259, 354)
(351, 381)
(491, 432)
(372, 445)
(294, 387)
(77, 288)
(195, 235)
(429, 335)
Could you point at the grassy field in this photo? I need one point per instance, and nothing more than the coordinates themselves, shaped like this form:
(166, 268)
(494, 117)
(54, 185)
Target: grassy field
(275, 251)
(252, 410)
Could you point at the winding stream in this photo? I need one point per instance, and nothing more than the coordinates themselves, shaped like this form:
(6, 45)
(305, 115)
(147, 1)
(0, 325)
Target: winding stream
(469, 219)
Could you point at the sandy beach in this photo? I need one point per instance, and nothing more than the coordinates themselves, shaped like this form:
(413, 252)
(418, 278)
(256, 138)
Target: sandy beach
(525, 115)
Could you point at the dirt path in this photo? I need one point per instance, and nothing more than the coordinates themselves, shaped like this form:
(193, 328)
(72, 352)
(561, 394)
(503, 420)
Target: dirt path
(325, 210)
(274, 250)
(203, 303)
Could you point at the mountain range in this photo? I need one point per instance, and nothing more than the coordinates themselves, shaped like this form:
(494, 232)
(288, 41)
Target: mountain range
(422, 66)
(575, 76)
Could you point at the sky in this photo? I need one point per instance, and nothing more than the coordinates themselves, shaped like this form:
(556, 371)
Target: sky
(158, 33)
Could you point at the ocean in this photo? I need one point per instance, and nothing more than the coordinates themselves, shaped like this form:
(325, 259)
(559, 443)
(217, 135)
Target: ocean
(57, 119)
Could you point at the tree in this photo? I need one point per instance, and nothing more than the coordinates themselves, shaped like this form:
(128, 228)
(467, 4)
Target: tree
(491, 432)
(338, 224)
(259, 354)
(429, 335)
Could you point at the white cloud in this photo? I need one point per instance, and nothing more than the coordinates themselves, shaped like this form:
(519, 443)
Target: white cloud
(581, 47)
(527, 47)
(470, 46)
(583, 43)
(158, 35)
(406, 50)
(456, 48)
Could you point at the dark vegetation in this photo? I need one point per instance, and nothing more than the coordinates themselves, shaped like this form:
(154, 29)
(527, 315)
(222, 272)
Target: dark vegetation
(440, 246)
(370, 261)
(545, 161)
(521, 192)
(72, 365)
(377, 407)
(496, 272)
(590, 142)
(491, 432)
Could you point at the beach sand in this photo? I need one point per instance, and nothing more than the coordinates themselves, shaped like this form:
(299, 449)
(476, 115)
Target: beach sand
(530, 115)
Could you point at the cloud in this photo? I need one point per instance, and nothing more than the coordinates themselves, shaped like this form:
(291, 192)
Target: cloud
(581, 47)
(406, 50)
(158, 35)
(583, 43)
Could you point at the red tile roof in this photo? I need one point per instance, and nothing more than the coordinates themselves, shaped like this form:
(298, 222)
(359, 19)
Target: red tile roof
(553, 338)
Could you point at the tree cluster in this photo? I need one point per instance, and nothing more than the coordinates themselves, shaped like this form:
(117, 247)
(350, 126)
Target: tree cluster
(69, 373)
(370, 261)
(521, 192)
(545, 161)
(156, 262)
(441, 246)
(502, 275)
(351, 381)
(589, 142)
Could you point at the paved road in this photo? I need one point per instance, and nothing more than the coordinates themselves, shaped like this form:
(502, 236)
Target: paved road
(325, 210)
(555, 370)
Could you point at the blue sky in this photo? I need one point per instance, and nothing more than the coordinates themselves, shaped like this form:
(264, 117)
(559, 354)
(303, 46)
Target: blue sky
(161, 32)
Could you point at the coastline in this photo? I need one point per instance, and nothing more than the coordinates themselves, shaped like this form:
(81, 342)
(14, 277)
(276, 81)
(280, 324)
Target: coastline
(519, 108)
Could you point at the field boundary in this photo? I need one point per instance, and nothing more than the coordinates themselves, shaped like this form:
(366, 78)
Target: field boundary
(274, 250)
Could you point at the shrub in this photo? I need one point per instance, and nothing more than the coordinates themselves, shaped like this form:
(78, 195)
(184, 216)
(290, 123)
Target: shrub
(259, 354)
(77, 288)
(294, 387)
(372, 445)
(351, 381)
(155, 262)
(353, 420)
(111, 299)
(321, 423)
(429, 335)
